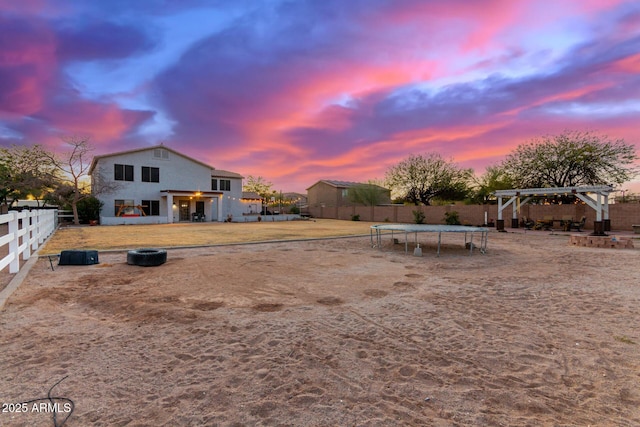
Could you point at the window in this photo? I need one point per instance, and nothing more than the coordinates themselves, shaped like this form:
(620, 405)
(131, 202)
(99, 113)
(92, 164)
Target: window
(150, 174)
(123, 172)
(214, 184)
(345, 192)
(151, 207)
(225, 185)
(160, 153)
(123, 207)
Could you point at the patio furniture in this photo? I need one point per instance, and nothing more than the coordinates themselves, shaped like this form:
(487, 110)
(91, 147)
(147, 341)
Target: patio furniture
(528, 223)
(578, 226)
(198, 217)
(565, 222)
(544, 224)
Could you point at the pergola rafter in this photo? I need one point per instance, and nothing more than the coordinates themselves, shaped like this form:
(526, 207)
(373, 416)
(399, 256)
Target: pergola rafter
(596, 197)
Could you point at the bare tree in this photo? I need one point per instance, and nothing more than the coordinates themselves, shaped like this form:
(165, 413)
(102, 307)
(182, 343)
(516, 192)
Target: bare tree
(74, 165)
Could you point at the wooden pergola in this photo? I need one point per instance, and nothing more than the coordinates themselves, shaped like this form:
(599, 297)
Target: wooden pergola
(596, 197)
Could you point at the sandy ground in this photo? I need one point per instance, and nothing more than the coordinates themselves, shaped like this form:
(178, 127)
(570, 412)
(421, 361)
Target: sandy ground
(332, 333)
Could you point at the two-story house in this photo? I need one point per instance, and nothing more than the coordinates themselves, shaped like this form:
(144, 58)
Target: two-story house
(157, 185)
(332, 193)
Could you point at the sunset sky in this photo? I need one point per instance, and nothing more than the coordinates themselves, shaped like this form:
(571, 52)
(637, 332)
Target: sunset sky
(297, 91)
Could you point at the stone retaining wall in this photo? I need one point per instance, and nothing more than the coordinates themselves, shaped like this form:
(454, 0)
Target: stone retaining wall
(601, 242)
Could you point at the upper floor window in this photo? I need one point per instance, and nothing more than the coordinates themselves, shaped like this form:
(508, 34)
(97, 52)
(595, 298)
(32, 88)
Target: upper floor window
(123, 172)
(160, 153)
(150, 174)
(225, 185)
(214, 184)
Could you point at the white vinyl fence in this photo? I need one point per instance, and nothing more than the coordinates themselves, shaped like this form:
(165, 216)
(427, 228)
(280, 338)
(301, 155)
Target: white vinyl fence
(27, 230)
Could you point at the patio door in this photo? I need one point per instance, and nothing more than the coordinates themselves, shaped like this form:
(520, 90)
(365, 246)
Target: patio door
(200, 208)
(185, 214)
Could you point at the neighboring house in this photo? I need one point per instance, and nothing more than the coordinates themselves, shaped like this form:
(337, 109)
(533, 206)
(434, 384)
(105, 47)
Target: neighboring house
(156, 185)
(298, 200)
(330, 193)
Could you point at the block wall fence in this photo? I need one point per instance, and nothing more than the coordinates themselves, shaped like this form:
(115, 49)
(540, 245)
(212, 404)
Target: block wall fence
(622, 216)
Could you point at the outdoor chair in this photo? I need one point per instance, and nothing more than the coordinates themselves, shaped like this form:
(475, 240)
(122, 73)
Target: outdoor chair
(578, 226)
(565, 222)
(544, 224)
(528, 223)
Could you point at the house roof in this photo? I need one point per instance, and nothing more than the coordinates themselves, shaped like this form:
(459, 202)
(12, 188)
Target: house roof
(342, 184)
(218, 172)
(251, 195)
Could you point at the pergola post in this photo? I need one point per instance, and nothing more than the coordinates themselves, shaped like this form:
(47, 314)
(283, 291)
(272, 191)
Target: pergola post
(605, 211)
(598, 224)
(500, 221)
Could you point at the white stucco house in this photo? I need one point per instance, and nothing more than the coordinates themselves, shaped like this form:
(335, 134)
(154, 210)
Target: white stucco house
(157, 185)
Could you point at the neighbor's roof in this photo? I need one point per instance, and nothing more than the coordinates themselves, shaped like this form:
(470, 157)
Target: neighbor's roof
(342, 184)
(219, 173)
(251, 195)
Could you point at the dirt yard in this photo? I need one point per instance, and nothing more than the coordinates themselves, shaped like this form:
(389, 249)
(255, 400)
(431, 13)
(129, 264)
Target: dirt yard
(331, 333)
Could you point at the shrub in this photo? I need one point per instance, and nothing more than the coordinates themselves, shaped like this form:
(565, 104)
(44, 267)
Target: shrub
(418, 217)
(451, 218)
(89, 209)
(294, 210)
(355, 217)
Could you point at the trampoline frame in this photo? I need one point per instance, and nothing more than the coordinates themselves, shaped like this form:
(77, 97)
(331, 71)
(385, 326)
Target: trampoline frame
(429, 228)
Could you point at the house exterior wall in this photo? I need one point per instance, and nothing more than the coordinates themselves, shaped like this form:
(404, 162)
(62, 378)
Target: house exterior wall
(323, 194)
(178, 174)
(327, 195)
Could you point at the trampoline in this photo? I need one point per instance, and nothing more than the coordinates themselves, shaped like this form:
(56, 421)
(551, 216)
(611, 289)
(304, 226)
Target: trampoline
(469, 232)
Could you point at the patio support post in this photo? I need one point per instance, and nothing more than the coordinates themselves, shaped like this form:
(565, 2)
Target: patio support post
(605, 210)
(500, 221)
(598, 225)
(169, 208)
(514, 215)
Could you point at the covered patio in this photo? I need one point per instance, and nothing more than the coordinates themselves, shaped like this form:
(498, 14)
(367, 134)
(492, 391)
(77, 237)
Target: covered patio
(596, 197)
(184, 206)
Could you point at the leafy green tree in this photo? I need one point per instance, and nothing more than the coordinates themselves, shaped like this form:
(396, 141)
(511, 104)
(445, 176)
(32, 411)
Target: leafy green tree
(259, 185)
(368, 194)
(571, 159)
(421, 178)
(494, 178)
(24, 171)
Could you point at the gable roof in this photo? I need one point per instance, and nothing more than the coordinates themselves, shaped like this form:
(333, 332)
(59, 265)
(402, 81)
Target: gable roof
(95, 160)
(219, 173)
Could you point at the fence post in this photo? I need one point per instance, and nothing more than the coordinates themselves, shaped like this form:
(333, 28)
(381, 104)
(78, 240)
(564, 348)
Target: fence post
(14, 266)
(26, 237)
(34, 228)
